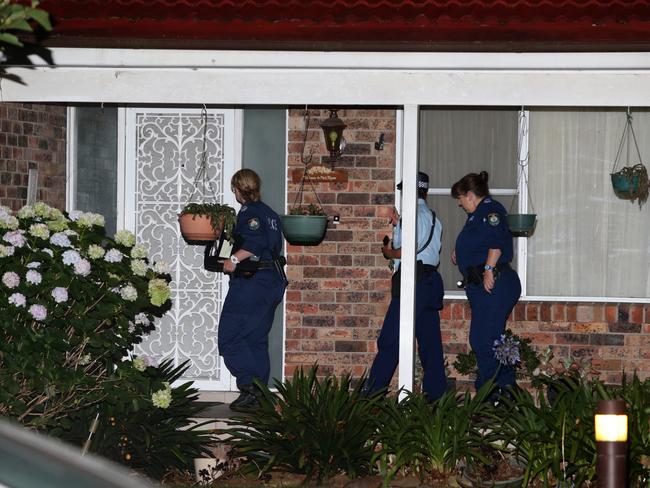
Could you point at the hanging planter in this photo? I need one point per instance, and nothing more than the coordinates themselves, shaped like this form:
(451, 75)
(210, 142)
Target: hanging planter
(631, 181)
(305, 224)
(522, 224)
(202, 223)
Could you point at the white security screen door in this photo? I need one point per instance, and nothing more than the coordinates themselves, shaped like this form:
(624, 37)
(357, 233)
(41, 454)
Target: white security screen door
(163, 149)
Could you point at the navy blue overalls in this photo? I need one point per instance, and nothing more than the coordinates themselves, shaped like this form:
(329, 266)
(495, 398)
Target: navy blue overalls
(486, 228)
(249, 307)
(429, 292)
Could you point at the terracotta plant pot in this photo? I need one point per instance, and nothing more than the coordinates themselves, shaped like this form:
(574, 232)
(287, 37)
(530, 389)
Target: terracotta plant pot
(197, 229)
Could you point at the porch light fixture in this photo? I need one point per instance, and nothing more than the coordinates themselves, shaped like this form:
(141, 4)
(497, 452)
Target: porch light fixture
(611, 443)
(333, 130)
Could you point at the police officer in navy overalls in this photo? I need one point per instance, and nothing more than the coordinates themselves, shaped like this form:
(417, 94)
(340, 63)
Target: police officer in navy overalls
(249, 307)
(429, 292)
(483, 253)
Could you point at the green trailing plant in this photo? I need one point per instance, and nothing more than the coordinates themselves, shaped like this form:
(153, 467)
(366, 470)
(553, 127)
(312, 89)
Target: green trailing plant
(511, 351)
(431, 439)
(316, 427)
(221, 215)
(143, 422)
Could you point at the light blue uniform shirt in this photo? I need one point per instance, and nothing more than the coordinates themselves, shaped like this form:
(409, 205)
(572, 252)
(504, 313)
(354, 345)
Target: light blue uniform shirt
(430, 254)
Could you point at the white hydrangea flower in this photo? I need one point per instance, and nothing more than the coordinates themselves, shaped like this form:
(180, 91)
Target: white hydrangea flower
(139, 252)
(129, 293)
(60, 294)
(95, 251)
(113, 256)
(57, 225)
(139, 267)
(38, 312)
(150, 361)
(33, 277)
(17, 299)
(27, 212)
(60, 239)
(88, 219)
(33, 265)
(139, 364)
(15, 237)
(70, 257)
(9, 222)
(82, 267)
(39, 230)
(162, 398)
(125, 238)
(10, 279)
(74, 215)
(4, 210)
(142, 319)
(84, 360)
(42, 209)
(161, 267)
(48, 251)
(6, 251)
(56, 214)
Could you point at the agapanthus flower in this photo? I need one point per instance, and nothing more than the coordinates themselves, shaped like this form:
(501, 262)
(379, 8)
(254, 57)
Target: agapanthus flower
(506, 350)
(39, 230)
(60, 294)
(159, 291)
(38, 312)
(15, 237)
(113, 256)
(129, 293)
(60, 239)
(125, 238)
(139, 267)
(11, 279)
(161, 267)
(139, 364)
(162, 398)
(17, 299)
(82, 267)
(95, 251)
(6, 251)
(33, 277)
(139, 252)
(70, 257)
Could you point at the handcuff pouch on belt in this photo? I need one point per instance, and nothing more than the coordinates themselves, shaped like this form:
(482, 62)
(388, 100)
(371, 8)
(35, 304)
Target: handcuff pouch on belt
(421, 272)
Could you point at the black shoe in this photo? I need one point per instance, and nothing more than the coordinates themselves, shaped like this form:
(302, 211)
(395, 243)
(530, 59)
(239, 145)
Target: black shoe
(245, 402)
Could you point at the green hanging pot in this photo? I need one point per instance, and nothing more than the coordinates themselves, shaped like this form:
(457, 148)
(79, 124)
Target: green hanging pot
(521, 225)
(626, 187)
(304, 230)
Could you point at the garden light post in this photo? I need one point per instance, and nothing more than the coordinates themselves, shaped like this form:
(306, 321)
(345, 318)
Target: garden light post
(611, 443)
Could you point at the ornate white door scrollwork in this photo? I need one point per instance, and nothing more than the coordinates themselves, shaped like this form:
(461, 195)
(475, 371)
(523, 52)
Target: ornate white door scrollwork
(163, 150)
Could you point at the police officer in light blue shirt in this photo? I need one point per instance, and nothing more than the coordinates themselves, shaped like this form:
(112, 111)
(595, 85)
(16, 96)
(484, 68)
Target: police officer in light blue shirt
(429, 292)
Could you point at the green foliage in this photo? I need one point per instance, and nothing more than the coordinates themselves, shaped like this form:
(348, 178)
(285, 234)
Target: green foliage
(465, 363)
(134, 431)
(220, 215)
(311, 209)
(430, 438)
(17, 17)
(319, 428)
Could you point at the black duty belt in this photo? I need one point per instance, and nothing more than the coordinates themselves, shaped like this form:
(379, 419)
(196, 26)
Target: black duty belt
(474, 274)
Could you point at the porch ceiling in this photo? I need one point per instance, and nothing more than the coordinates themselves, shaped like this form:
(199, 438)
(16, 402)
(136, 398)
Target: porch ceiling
(373, 25)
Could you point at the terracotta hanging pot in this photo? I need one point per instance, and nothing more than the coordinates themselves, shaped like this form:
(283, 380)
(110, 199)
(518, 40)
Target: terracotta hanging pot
(198, 229)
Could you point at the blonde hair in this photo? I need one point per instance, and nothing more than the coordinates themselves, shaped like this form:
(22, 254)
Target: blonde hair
(248, 183)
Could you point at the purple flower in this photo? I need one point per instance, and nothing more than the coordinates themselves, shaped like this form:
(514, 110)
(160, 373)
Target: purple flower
(33, 277)
(506, 350)
(38, 312)
(70, 257)
(60, 294)
(10, 279)
(60, 239)
(17, 299)
(15, 238)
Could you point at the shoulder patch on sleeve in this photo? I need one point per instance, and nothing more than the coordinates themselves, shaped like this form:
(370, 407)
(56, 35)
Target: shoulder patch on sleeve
(494, 219)
(254, 223)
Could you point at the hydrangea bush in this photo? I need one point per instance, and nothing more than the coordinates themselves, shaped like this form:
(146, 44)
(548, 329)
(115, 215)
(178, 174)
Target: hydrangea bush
(73, 302)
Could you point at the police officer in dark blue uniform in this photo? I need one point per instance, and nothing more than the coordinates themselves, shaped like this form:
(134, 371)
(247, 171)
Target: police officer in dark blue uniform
(249, 307)
(429, 292)
(483, 254)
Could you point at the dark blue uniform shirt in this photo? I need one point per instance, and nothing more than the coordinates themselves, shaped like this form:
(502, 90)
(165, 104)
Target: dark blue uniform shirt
(260, 231)
(486, 228)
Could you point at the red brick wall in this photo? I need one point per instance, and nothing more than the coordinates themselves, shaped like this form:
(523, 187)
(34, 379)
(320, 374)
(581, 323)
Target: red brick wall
(32, 136)
(339, 289)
